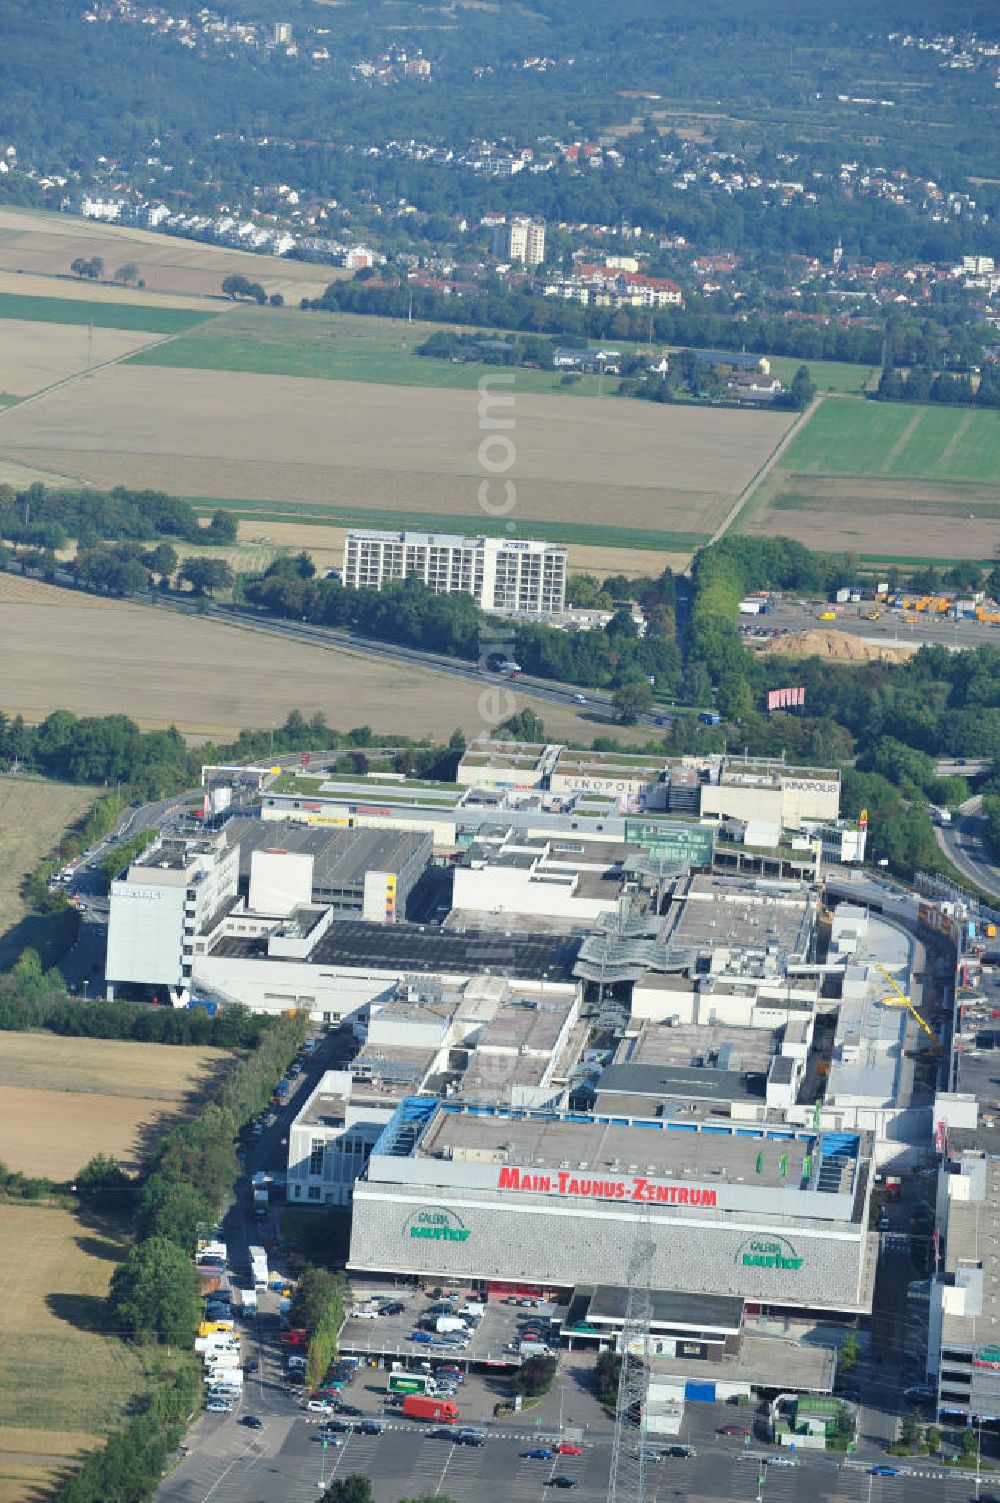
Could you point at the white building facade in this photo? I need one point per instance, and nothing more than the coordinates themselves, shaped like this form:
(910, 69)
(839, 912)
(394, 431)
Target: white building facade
(506, 575)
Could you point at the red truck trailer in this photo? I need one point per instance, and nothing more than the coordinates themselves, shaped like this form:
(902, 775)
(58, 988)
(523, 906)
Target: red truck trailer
(421, 1406)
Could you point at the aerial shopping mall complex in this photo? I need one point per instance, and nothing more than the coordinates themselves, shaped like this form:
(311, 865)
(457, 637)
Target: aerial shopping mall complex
(590, 1000)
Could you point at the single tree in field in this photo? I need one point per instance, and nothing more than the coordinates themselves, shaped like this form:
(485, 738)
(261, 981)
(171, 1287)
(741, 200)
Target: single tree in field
(630, 700)
(127, 274)
(206, 574)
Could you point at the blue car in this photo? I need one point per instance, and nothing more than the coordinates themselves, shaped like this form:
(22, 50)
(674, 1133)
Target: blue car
(540, 1453)
(423, 1338)
(886, 1471)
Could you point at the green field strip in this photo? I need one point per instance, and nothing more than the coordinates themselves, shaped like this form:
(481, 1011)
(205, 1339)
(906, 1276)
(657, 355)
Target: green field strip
(582, 534)
(921, 561)
(138, 316)
(867, 440)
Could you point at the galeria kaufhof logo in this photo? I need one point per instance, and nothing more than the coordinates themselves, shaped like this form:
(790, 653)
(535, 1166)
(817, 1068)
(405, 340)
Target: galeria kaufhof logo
(436, 1224)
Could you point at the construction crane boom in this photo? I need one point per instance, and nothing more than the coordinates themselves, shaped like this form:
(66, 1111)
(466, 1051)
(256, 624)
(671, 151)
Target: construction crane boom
(902, 1000)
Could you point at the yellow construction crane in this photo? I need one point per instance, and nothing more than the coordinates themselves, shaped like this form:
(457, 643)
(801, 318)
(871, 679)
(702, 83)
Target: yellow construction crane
(902, 1000)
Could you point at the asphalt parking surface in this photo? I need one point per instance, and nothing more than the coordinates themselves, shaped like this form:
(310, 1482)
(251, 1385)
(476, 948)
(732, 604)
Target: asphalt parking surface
(391, 1335)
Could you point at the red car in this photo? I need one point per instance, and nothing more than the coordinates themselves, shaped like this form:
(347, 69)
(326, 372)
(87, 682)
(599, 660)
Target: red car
(739, 1430)
(564, 1448)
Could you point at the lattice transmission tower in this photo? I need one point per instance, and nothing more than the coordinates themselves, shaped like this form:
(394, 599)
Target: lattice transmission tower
(628, 1455)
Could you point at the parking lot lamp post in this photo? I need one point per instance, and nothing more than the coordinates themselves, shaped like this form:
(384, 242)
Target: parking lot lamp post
(562, 1396)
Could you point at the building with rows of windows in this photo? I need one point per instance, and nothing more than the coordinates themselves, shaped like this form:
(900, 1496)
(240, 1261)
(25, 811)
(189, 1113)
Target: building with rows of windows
(504, 575)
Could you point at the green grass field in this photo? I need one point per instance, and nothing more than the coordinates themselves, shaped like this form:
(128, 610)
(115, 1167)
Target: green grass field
(549, 532)
(903, 440)
(359, 347)
(337, 347)
(828, 375)
(138, 316)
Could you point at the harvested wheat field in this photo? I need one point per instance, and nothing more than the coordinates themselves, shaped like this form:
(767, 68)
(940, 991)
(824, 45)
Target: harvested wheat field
(64, 1100)
(45, 244)
(325, 546)
(838, 646)
(16, 590)
(33, 1462)
(210, 679)
(73, 290)
(110, 1067)
(33, 815)
(62, 1378)
(352, 444)
(36, 355)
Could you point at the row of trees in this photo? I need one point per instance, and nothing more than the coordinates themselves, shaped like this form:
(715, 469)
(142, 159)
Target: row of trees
(109, 749)
(48, 518)
(153, 1299)
(319, 1305)
(153, 1295)
(92, 267)
(405, 611)
(502, 307)
(126, 569)
(921, 384)
(32, 998)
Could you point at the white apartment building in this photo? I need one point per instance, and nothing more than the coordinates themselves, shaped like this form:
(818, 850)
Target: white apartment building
(505, 575)
(520, 240)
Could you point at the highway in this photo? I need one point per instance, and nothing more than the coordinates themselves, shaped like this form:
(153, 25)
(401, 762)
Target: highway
(592, 703)
(962, 842)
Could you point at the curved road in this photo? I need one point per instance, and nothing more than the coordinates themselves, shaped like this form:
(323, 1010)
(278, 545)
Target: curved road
(963, 843)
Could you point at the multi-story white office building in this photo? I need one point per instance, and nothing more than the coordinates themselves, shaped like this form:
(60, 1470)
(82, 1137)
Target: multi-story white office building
(520, 240)
(505, 575)
(166, 899)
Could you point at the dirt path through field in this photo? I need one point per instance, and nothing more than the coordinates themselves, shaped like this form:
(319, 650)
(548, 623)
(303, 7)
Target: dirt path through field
(756, 481)
(902, 441)
(956, 439)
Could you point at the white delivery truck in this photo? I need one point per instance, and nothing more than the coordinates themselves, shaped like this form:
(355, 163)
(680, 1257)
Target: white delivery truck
(248, 1300)
(450, 1323)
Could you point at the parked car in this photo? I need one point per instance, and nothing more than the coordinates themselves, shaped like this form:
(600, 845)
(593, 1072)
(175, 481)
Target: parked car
(468, 1435)
(329, 1438)
(566, 1448)
(369, 1427)
(539, 1453)
(319, 1406)
(781, 1461)
(394, 1307)
(736, 1430)
(561, 1482)
(366, 1313)
(422, 1338)
(351, 1409)
(679, 1451)
(218, 1406)
(251, 1366)
(885, 1471)
(252, 1422)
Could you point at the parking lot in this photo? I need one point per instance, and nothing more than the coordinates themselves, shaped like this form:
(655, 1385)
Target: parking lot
(493, 1341)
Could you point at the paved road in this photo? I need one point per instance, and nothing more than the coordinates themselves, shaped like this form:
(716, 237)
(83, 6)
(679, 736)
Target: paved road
(83, 966)
(962, 842)
(285, 1462)
(596, 704)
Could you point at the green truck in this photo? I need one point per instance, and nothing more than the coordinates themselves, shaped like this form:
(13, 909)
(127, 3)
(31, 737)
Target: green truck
(412, 1383)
